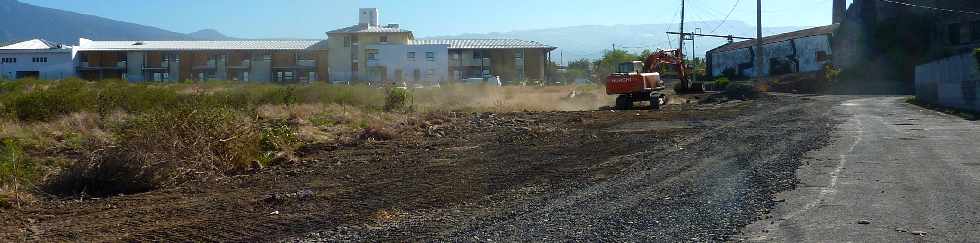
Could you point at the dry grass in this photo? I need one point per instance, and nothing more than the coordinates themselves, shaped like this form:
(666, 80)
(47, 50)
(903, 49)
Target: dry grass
(511, 98)
(11, 197)
(106, 138)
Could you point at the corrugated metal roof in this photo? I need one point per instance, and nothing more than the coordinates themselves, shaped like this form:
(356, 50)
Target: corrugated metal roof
(485, 44)
(35, 44)
(369, 29)
(203, 45)
(822, 30)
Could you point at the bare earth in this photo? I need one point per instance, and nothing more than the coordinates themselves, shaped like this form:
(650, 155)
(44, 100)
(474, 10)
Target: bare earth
(698, 172)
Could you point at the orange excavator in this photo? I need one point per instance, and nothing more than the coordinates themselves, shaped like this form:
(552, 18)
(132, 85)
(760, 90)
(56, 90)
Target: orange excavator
(640, 81)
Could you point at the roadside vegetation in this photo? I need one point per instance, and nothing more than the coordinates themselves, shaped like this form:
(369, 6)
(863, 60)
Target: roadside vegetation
(965, 114)
(93, 139)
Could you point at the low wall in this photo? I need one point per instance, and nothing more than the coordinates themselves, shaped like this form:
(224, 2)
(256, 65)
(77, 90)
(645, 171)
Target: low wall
(950, 82)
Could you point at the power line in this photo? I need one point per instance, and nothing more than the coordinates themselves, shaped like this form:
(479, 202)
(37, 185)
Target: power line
(726, 17)
(931, 8)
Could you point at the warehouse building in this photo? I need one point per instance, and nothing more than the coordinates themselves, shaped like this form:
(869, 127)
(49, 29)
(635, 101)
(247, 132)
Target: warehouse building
(794, 52)
(38, 59)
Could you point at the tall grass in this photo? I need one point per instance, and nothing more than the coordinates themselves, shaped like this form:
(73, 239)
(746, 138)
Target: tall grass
(117, 137)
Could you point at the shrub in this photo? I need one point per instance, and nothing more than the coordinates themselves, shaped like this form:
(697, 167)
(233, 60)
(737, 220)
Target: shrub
(722, 82)
(166, 147)
(44, 104)
(397, 99)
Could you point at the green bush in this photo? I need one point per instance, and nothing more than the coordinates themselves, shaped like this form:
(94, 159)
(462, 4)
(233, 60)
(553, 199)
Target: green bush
(722, 82)
(46, 103)
(397, 99)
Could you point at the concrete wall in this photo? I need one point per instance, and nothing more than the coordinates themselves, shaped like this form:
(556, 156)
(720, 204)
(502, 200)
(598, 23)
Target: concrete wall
(801, 53)
(60, 64)
(731, 60)
(950, 82)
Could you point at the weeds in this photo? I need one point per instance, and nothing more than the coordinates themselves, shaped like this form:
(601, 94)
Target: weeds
(112, 137)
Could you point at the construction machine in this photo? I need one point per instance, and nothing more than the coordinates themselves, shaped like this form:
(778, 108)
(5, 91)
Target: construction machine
(641, 81)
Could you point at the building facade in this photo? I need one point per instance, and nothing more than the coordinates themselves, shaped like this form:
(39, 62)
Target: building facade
(371, 52)
(280, 61)
(38, 59)
(367, 52)
(795, 52)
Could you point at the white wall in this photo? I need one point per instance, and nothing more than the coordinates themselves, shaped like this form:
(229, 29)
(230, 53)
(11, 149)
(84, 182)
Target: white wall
(804, 50)
(60, 64)
(395, 57)
(950, 82)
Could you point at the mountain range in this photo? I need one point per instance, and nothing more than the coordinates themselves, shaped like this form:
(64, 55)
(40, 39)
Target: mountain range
(591, 41)
(20, 21)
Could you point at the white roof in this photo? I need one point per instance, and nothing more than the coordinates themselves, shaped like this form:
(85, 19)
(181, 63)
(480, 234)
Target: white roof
(369, 29)
(201, 45)
(485, 44)
(35, 44)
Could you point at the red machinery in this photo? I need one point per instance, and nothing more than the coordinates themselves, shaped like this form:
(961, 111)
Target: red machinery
(640, 81)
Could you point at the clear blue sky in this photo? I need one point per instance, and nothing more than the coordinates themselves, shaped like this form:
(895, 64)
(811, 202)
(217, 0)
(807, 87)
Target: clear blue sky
(311, 18)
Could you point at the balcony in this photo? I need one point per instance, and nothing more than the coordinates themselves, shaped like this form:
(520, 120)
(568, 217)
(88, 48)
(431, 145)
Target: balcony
(210, 64)
(306, 63)
(245, 64)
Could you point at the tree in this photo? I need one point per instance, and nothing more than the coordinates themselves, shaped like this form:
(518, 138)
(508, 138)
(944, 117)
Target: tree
(610, 62)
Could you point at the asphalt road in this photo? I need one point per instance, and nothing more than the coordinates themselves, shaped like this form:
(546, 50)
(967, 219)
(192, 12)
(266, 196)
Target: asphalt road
(895, 173)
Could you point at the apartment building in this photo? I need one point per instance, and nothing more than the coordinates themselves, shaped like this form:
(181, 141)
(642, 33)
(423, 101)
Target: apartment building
(372, 52)
(280, 61)
(38, 59)
(367, 52)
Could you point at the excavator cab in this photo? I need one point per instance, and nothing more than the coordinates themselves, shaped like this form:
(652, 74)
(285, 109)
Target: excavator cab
(630, 67)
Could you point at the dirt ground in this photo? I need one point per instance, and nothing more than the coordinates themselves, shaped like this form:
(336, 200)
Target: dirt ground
(691, 172)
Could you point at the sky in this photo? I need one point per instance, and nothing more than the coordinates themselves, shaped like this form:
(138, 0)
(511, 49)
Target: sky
(312, 18)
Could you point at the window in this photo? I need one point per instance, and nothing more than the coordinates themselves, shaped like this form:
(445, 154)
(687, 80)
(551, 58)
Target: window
(372, 55)
(411, 56)
(954, 34)
(430, 56)
(519, 55)
(347, 41)
(83, 58)
(429, 74)
(39, 59)
(8, 60)
(975, 31)
(822, 56)
(383, 39)
(477, 55)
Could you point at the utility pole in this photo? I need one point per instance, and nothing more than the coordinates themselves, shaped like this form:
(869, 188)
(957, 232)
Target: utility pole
(614, 47)
(758, 42)
(681, 45)
(694, 71)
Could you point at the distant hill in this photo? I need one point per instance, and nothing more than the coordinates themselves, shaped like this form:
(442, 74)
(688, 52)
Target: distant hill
(21, 21)
(210, 34)
(591, 41)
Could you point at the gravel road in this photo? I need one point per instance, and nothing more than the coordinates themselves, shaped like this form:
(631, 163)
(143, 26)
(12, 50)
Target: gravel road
(702, 187)
(897, 173)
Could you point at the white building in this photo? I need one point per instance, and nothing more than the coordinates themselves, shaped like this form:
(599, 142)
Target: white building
(795, 52)
(38, 59)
